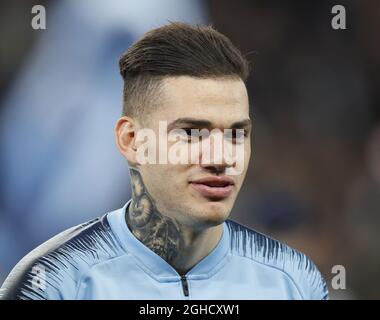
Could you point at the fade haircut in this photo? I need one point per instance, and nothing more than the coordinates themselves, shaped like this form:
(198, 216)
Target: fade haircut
(176, 49)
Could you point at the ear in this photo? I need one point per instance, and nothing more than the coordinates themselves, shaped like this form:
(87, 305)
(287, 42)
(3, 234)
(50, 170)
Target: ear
(125, 136)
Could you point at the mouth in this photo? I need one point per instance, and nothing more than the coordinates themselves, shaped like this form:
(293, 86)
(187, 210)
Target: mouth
(215, 188)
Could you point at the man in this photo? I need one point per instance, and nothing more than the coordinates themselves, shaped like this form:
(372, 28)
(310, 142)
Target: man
(173, 239)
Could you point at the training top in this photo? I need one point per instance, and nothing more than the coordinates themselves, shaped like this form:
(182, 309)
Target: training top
(102, 259)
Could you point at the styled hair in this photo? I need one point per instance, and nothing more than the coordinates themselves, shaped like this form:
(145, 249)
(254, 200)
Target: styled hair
(176, 49)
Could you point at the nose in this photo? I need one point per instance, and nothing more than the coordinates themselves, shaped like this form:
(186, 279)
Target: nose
(215, 154)
(215, 168)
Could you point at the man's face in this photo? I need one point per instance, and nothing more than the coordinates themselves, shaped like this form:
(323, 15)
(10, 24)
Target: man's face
(199, 195)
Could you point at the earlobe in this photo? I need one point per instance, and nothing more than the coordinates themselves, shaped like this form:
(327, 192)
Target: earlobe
(125, 130)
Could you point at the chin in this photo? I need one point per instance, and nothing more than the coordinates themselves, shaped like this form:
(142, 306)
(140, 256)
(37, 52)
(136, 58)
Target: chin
(211, 214)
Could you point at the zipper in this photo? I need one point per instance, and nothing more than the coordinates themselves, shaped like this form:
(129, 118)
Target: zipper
(185, 285)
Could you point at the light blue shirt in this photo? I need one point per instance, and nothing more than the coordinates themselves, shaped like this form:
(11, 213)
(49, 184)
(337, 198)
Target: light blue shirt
(102, 259)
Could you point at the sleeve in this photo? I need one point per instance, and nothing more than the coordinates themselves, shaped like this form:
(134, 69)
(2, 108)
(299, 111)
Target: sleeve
(319, 289)
(28, 283)
(54, 270)
(305, 275)
(311, 283)
(40, 277)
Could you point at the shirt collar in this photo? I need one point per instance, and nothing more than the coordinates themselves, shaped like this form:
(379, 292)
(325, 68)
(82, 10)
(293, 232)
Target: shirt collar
(154, 264)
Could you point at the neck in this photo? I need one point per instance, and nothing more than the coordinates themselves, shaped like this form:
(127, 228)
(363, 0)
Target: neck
(181, 246)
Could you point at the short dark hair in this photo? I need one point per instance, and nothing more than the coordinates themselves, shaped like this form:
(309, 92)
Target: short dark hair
(176, 49)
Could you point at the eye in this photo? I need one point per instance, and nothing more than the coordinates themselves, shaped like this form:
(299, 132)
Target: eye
(195, 134)
(236, 134)
(188, 131)
(186, 134)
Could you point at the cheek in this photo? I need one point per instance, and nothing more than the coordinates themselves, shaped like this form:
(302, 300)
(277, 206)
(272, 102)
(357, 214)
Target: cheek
(240, 179)
(152, 177)
(166, 180)
(247, 157)
(248, 149)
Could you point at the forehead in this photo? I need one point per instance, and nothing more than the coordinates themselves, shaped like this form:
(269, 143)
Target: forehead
(221, 101)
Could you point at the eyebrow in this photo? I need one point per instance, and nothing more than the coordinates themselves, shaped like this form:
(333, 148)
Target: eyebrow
(245, 124)
(200, 123)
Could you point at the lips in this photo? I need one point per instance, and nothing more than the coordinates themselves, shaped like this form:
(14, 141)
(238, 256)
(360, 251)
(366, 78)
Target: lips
(214, 187)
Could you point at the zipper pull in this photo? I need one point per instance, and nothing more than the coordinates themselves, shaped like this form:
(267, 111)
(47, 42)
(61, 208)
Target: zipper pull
(185, 285)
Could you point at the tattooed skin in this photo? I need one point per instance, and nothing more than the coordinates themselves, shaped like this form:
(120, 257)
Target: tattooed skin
(158, 232)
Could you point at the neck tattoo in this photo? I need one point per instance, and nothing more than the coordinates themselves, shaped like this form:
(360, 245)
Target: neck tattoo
(159, 233)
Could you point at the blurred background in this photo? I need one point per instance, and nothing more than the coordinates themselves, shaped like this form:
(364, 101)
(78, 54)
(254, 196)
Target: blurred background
(314, 178)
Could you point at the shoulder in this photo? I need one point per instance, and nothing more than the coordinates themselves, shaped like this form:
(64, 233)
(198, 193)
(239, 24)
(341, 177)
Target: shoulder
(52, 270)
(277, 255)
